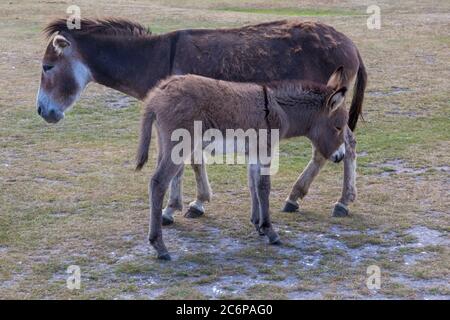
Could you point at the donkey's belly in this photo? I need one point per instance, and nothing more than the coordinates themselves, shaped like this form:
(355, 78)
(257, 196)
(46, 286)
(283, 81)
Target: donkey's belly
(248, 146)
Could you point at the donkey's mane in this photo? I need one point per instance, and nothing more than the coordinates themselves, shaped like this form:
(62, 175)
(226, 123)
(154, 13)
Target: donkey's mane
(108, 26)
(288, 92)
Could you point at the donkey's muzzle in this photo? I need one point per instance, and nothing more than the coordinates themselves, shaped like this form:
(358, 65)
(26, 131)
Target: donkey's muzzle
(338, 158)
(338, 155)
(50, 115)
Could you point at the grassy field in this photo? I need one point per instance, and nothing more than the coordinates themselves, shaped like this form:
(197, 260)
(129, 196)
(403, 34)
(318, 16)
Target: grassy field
(69, 195)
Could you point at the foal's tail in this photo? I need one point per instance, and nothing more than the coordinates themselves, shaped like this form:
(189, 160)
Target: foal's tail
(358, 95)
(145, 138)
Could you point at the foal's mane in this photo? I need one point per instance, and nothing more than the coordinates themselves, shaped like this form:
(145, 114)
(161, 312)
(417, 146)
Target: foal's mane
(288, 92)
(108, 27)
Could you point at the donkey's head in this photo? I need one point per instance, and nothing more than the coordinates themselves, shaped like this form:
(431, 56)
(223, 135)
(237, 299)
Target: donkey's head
(63, 78)
(328, 132)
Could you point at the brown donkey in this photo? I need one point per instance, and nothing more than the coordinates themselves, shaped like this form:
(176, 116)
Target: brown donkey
(294, 108)
(126, 56)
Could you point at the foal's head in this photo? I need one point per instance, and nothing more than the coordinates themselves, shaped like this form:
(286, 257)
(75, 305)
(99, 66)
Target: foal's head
(63, 78)
(328, 130)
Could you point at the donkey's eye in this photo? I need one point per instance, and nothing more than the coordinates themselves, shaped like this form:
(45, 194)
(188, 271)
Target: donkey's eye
(338, 128)
(47, 67)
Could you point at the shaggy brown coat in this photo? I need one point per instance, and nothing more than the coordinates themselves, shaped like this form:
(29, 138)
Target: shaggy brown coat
(295, 108)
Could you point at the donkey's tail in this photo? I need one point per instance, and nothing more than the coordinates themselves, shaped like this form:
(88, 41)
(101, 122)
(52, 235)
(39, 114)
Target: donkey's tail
(145, 138)
(358, 95)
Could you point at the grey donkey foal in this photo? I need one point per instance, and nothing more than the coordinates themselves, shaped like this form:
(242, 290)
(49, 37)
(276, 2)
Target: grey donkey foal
(295, 108)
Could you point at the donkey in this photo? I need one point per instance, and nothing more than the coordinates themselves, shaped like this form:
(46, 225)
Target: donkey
(127, 57)
(295, 108)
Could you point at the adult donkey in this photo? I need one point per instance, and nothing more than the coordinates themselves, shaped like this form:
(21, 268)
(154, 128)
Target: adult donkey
(125, 56)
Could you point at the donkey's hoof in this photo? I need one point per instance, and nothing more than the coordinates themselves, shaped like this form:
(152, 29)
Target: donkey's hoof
(193, 213)
(164, 256)
(290, 207)
(275, 241)
(260, 232)
(340, 210)
(274, 238)
(167, 220)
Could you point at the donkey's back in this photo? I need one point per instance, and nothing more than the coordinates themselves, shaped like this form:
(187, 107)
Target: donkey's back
(180, 100)
(271, 51)
(279, 50)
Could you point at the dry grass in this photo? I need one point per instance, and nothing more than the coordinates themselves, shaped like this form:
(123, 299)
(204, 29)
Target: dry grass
(68, 194)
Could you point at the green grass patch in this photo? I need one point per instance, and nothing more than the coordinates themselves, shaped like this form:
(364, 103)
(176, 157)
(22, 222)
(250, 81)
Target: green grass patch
(267, 291)
(181, 292)
(293, 11)
(134, 268)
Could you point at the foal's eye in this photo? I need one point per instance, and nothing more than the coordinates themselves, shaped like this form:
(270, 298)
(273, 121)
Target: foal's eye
(338, 128)
(47, 67)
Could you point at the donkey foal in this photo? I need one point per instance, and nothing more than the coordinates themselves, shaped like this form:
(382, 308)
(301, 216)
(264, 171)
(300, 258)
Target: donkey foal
(295, 108)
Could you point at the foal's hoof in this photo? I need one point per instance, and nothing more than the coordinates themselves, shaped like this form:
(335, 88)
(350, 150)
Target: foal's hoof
(276, 241)
(274, 238)
(164, 256)
(193, 213)
(167, 220)
(340, 210)
(260, 232)
(290, 207)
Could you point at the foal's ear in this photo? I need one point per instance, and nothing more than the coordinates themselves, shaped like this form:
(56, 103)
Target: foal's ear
(336, 99)
(60, 43)
(336, 78)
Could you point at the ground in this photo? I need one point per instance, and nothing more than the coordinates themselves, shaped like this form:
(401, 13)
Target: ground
(69, 195)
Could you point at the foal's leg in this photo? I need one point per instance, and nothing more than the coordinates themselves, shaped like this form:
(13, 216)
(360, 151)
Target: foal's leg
(159, 183)
(196, 208)
(349, 187)
(175, 195)
(175, 202)
(262, 183)
(254, 200)
(301, 186)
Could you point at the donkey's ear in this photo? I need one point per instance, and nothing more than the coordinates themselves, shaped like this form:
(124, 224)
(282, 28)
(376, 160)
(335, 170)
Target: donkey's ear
(336, 78)
(60, 43)
(336, 99)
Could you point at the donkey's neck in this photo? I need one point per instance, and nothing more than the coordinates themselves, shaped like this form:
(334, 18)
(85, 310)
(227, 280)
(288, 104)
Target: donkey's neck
(131, 65)
(301, 113)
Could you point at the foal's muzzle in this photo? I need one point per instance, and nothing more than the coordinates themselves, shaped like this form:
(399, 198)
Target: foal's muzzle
(51, 115)
(338, 155)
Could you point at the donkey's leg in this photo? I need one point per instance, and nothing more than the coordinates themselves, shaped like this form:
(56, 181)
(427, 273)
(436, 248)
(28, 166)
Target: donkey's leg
(175, 195)
(349, 187)
(159, 183)
(196, 208)
(301, 186)
(175, 202)
(262, 183)
(254, 200)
